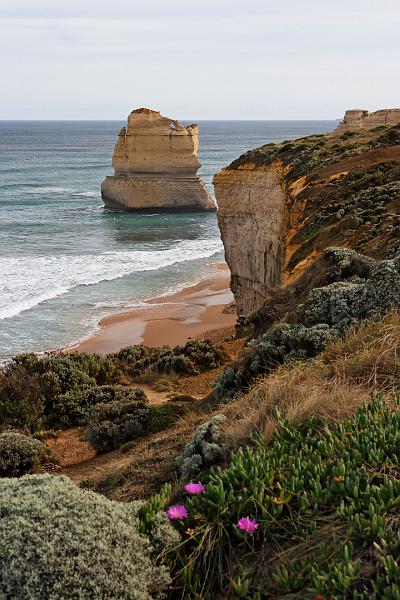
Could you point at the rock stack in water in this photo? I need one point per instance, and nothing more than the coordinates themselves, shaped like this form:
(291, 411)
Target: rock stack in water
(156, 163)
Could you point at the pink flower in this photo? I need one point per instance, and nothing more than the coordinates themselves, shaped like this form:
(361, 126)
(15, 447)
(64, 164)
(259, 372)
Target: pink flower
(194, 488)
(176, 512)
(248, 525)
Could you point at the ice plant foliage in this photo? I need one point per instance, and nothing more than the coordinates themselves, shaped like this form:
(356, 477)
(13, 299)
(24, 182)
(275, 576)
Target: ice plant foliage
(194, 488)
(177, 512)
(247, 524)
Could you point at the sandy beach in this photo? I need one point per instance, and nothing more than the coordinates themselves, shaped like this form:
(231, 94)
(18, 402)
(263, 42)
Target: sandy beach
(168, 320)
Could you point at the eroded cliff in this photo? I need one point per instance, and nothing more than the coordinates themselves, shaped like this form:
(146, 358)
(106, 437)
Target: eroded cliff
(356, 119)
(282, 204)
(156, 163)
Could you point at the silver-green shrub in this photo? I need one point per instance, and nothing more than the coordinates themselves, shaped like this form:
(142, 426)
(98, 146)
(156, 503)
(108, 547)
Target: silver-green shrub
(20, 454)
(342, 304)
(283, 343)
(59, 542)
(206, 448)
(110, 424)
(111, 393)
(190, 358)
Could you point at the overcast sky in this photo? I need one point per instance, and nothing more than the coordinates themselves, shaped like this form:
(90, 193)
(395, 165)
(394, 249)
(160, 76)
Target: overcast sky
(198, 59)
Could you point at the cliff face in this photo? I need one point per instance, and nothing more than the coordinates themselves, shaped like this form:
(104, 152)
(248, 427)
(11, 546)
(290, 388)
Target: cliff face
(155, 161)
(282, 204)
(251, 218)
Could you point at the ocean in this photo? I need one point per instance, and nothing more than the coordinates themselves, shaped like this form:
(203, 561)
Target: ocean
(65, 261)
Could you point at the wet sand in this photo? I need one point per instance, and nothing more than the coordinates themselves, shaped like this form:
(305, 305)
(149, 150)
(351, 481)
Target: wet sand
(168, 320)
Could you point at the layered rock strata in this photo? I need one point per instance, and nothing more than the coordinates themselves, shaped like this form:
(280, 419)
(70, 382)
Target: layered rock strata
(282, 204)
(251, 218)
(355, 120)
(156, 163)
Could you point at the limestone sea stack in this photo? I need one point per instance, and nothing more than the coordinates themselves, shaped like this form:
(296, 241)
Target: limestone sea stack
(155, 166)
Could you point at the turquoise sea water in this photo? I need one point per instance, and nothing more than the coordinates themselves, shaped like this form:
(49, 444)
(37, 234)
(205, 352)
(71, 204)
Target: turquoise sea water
(65, 261)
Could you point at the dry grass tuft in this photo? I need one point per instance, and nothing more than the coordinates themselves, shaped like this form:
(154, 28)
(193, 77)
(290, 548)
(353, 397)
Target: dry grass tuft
(369, 355)
(334, 385)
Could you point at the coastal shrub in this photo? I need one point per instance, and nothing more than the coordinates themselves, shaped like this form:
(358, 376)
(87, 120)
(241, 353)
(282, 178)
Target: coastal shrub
(131, 354)
(111, 424)
(313, 513)
(55, 391)
(283, 343)
(188, 359)
(161, 416)
(50, 391)
(65, 543)
(342, 304)
(113, 393)
(21, 398)
(114, 422)
(206, 448)
(20, 454)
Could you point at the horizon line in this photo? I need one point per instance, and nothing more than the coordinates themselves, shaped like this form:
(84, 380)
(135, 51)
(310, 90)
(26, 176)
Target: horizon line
(181, 119)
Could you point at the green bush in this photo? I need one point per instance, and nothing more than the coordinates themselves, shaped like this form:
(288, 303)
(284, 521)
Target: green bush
(326, 501)
(342, 304)
(109, 425)
(283, 343)
(51, 391)
(113, 393)
(21, 398)
(206, 448)
(20, 454)
(161, 416)
(65, 543)
(191, 358)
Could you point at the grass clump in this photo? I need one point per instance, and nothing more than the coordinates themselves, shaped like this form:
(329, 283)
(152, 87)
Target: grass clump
(325, 499)
(65, 543)
(20, 454)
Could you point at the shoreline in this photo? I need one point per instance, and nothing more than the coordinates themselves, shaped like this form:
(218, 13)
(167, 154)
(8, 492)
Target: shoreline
(167, 320)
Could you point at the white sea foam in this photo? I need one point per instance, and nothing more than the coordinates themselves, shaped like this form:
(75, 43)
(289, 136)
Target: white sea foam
(86, 194)
(30, 280)
(53, 189)
(50, 189)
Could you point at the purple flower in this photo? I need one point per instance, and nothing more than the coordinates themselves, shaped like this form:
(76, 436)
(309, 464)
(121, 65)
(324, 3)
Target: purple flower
(176, 512)
(248, 525)
(194, 488)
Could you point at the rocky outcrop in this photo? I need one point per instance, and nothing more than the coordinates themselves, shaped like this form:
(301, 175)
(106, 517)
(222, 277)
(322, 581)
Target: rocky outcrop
(282, 204)
(156, 163)
(251, 218)
(355, 120)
